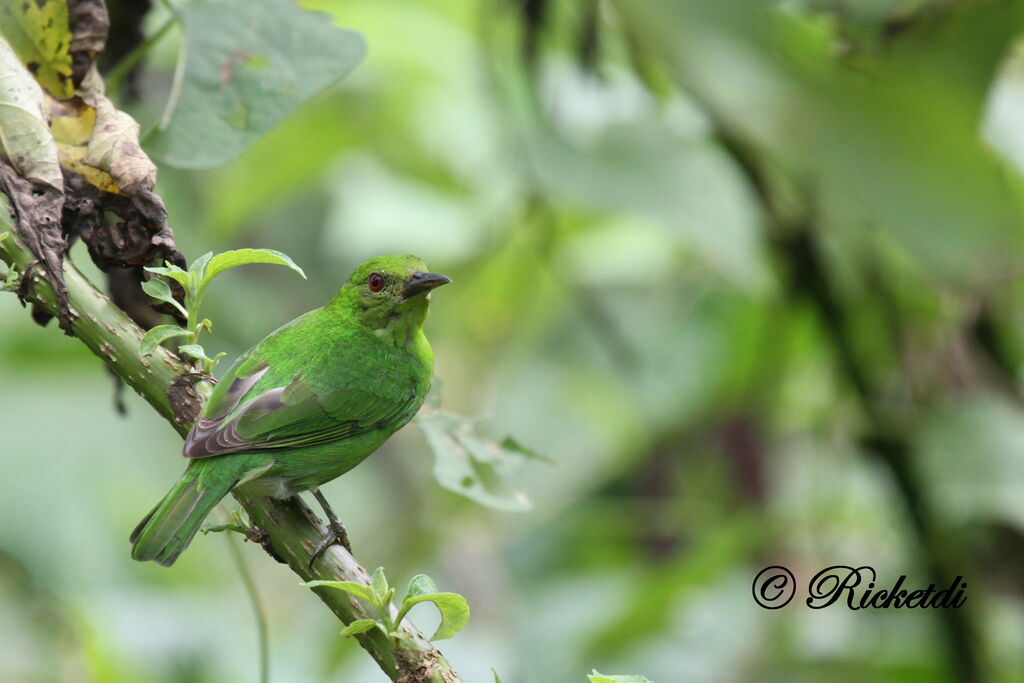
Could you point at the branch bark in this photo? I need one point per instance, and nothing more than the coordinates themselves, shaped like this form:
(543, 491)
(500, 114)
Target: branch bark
(289, 529)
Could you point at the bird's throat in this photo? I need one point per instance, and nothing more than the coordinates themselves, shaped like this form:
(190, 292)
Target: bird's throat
(404, 328)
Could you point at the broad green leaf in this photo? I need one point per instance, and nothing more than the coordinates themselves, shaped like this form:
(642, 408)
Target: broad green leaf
(38, 32)
(161, 291)
(239, 257)
(453, 608)
(172, 271)
(379, 584)
(358, 626)
(421, 584)
(360, 590)
(156, 336)
(602, 678)
(472, 465)
(249, 64)
(27, 141)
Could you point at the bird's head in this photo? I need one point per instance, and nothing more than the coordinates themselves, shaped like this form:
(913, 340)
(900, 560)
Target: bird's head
(391, 291)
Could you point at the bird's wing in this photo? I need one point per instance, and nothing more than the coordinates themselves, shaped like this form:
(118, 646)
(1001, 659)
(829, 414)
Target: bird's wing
(267, 407)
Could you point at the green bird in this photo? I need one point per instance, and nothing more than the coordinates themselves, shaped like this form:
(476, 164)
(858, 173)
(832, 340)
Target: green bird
(307, 404)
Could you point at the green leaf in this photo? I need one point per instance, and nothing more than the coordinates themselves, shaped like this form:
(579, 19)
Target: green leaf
(472, 465)
(601, 678)
(379, 584)
(194, 351)
(497, 678)
(249, 64)
(161, 291)
(39, 34)
(172, 271)
(360, 590)
(156, 336)
(358, 626)
(453, 608)
(421, 584)
(239, 257)
(197, 270)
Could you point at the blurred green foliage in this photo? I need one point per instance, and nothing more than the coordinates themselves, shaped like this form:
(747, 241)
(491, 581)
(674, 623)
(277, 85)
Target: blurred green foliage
(749, 272)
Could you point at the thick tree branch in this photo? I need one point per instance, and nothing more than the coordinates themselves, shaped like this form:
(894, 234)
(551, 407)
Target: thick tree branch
(289, 530)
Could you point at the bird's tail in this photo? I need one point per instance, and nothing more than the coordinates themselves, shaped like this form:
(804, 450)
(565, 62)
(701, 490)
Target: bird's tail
(168, 529)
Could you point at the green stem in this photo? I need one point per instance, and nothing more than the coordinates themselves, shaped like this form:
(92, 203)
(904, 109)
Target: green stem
(120, 71)
(290, 529)
(257, 607)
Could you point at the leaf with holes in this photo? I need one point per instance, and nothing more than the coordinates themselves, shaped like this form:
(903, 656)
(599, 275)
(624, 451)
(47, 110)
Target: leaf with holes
(472, 465)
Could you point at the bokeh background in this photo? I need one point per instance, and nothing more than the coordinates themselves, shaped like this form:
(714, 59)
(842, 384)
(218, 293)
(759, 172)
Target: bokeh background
(748, 273)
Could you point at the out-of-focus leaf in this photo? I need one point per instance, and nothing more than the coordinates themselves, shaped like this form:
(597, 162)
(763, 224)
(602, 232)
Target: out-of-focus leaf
(249, 64)
(686, 184)
(472, 465)
(509, 443)
(890, 143)
(39, 34)
(358, 626)
(971, 459)
(27, 140)
(602, 678)
(156, 336)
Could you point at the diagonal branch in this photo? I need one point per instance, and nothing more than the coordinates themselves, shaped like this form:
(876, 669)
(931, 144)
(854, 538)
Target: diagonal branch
(288, 529)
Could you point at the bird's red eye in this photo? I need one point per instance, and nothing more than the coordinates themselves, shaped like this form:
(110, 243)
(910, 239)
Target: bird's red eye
(376, 282)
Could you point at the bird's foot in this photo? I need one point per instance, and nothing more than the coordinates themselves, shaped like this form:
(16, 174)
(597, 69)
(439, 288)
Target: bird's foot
(335, 530)
(335, 534)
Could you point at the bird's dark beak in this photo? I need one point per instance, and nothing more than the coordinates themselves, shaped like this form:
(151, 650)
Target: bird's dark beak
(423, 282)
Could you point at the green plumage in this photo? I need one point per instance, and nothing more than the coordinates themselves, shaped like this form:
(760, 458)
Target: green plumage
(308, 403)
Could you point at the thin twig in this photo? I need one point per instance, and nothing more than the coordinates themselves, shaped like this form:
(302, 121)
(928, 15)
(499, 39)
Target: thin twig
(257, 606)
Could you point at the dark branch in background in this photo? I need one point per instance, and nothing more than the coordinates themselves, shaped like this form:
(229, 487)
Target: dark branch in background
(126, 34)
(793, 239)
(287, 529)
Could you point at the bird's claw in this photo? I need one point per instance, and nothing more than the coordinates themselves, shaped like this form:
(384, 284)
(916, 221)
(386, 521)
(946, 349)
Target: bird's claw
(335, 534)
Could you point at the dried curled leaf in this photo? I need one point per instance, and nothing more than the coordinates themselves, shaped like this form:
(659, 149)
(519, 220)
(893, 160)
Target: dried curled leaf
(74, 167)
